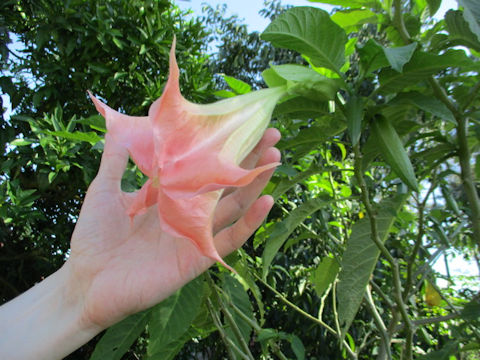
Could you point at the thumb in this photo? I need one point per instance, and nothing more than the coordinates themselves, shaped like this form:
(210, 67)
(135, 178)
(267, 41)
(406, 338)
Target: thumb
(113, 163)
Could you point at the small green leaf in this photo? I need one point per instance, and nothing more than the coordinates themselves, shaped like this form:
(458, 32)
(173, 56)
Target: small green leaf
(399, 56)
(119, 43)
(21, 142)
(238, 86)
(51, 176)
(311, 32)
(393, 152)
(325, 274)
(224, 94)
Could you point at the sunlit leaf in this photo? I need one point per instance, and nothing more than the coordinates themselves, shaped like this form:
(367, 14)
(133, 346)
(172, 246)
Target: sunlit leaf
(309, 31)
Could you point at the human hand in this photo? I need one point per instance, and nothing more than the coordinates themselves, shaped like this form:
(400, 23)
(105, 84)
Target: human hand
(117, 267)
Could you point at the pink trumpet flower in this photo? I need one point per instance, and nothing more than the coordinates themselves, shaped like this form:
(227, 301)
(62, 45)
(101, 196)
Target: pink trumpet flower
(190, 153)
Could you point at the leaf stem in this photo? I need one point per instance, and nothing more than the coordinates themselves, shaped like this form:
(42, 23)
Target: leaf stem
(218, 324)
(307, 315)
(231, 322)
(380, 324)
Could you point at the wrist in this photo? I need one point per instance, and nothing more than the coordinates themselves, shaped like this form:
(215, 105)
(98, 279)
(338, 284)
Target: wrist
(49, 318)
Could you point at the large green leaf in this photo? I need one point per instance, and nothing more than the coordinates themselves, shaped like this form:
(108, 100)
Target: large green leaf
(118, 338)
(282, 230)
(471, 12)
(311, 32)
(459, 30)
(360, 258)
(171, 319)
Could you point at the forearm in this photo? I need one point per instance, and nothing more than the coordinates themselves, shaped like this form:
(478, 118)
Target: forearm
(46, 322)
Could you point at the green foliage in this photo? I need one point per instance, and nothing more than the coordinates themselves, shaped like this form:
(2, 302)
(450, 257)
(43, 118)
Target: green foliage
(380, 95)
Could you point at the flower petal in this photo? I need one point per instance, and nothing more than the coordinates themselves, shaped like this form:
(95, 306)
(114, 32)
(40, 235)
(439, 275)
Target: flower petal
(203, 172)
(144, 198)
(133, 132)
(191, 219)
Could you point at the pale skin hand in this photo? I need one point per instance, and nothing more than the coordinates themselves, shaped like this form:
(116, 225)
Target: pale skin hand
(117, 268)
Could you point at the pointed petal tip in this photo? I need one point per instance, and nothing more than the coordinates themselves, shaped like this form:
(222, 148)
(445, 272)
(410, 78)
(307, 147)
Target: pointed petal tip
(225, 265)
(174, 71)
(100, 106)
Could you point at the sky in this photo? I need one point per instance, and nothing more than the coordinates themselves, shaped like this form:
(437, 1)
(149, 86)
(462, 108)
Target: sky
(248, 9)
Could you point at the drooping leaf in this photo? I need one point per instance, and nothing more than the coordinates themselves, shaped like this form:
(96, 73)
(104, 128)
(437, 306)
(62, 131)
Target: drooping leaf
(172, 317)
(360, 258)
(325, 274)
(393, 152)
(309, 31)
(282, 230)
(118, 338)
(354, 114)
